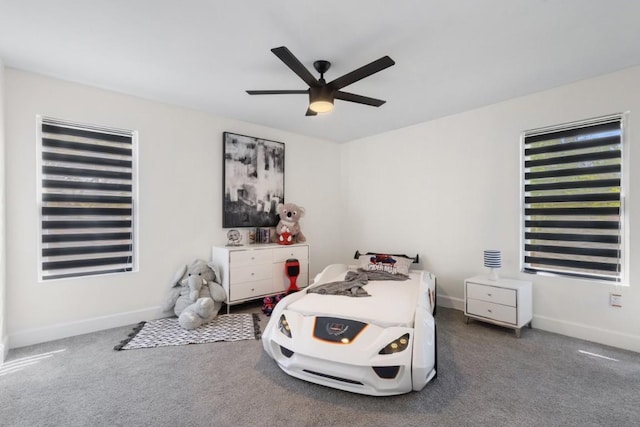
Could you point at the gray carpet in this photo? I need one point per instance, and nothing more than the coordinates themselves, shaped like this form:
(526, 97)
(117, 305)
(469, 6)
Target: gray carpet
(487, 377)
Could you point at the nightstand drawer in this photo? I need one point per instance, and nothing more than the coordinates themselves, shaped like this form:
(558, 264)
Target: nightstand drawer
(250, 273)
(250, 257)
(491, 294)
(501, 313)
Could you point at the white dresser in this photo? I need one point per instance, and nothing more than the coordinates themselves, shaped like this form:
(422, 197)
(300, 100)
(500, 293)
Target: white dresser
(504, 302)
(255, 271)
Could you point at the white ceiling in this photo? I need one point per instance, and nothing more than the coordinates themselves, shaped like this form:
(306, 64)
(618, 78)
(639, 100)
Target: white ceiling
(451, 55)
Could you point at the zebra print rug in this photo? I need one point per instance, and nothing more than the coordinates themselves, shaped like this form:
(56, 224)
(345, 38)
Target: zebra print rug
(167, 332)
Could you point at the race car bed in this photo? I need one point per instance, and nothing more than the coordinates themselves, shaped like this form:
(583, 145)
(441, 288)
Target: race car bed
(376, 337)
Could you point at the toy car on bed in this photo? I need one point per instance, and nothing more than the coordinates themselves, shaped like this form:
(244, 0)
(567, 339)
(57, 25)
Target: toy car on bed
(382, 343)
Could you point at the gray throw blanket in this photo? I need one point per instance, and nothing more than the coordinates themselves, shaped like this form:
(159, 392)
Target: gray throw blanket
(353, 282)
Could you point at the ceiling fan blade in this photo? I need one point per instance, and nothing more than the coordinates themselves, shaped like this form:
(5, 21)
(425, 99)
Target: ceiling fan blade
(362, 72)
(352, 97)
(296, 66)
(311, 112)
(277, 92)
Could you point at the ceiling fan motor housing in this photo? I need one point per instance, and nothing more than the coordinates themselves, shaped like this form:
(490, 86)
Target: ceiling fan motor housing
(322, 66)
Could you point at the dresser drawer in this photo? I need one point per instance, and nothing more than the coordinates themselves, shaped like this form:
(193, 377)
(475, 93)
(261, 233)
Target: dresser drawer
(283, 253)
(499, 312)
(250, 290)
(250, 273)
(491, 294)
(263, 256)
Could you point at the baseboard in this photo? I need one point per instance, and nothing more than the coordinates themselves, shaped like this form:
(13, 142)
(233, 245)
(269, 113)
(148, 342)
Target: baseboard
(589, 333)
(4, 349)
(64, 330)
(450, 302)
(563, 327)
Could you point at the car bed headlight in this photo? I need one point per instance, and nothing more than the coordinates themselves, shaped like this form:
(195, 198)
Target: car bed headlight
(396, 346)
(283, 325)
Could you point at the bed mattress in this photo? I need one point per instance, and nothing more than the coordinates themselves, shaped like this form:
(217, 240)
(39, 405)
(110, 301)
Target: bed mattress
(391, 303)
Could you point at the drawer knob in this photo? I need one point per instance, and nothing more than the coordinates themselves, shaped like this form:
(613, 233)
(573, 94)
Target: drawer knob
(489, 295)
(490, 311)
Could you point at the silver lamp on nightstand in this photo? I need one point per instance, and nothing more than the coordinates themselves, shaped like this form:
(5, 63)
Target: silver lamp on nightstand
(493, 260)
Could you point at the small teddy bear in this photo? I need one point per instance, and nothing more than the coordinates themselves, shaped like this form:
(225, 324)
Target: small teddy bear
(290, 215)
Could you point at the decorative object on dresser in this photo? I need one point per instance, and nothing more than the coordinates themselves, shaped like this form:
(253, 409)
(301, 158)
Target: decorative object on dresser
(504, 302)
(253, 181)
(234, 238)
(493, 261)
(289, 224)
(253, 272)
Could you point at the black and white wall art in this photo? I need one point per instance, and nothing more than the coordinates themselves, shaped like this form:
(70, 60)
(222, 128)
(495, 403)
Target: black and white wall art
(253, 181)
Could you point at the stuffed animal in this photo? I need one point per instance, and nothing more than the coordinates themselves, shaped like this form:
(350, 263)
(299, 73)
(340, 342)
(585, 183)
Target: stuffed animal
(195, 295)
(290, 215)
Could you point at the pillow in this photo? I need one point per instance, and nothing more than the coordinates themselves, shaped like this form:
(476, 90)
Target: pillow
(394, 264)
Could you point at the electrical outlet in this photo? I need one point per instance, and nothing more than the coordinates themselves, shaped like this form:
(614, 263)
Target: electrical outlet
(615, 300)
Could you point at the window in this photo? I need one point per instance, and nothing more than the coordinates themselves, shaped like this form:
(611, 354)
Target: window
(573, 200)
(87, 177)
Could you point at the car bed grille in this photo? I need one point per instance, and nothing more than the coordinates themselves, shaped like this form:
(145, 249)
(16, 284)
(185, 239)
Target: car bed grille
(331, 377)
(336, 330)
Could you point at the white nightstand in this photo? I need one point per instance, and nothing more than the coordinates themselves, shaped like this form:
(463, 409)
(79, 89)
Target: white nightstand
(504, 302)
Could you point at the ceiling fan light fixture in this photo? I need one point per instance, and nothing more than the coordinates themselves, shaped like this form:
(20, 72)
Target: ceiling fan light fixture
(320, 106)
(320, 99)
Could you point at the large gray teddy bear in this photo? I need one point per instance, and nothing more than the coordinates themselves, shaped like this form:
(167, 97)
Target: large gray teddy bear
(196, 295)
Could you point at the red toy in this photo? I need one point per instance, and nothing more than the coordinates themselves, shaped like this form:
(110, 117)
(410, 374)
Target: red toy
(285, 238)
(292, 270)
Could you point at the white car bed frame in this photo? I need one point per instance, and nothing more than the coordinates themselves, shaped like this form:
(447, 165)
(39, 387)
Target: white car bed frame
(356, 364)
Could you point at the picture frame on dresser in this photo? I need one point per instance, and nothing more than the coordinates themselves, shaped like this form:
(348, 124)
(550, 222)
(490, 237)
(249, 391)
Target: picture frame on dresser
(253, 181)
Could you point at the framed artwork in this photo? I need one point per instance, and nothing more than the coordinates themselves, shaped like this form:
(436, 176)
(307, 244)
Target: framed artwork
(253, 180)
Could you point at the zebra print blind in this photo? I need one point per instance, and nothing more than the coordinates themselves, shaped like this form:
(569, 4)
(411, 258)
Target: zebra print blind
(87, 214)
(573, 200)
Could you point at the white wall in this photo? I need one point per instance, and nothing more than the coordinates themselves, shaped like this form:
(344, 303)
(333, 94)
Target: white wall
(446, 189)
(4, 347)
(180, 188)
(449, 188)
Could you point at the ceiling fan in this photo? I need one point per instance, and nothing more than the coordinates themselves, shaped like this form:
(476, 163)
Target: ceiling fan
(322, 94)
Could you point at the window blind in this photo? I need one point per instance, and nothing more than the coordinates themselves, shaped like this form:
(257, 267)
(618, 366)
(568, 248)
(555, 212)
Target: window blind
(87, 200)
(573, 201)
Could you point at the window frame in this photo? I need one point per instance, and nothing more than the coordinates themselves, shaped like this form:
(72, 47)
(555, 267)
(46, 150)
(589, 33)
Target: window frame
(40, 177)
(622, 278)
